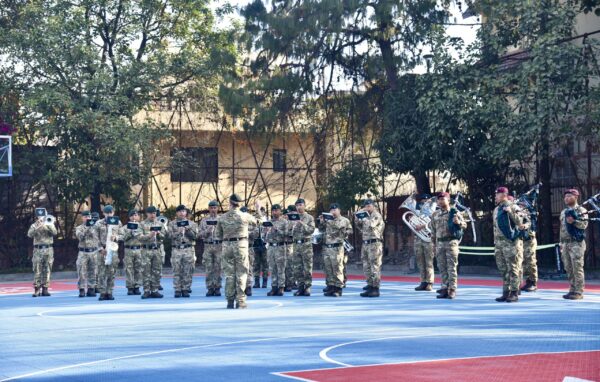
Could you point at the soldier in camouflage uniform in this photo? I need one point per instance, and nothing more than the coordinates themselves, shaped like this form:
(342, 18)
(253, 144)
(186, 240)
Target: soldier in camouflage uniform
(133, 254)
(154, 233)
(211, 258)
(261, 265)
(371, 228)
(334, 233)
(106, 272)
(572, 244)
(183, 248)
(253, 234)
(87, 255)
(446, 244)
(508, 250)
(276, 237)
(43, 253)
(424, 254)
(529, 266)
(302, 260)
(232, 229)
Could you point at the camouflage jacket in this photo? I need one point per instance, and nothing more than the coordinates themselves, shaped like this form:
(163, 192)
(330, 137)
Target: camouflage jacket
(371, 227)
(581, 224)
(208, 232)
(439, 225)
(185, 236)
(102, 229)
(42, 234)
(147, 237)
(303, 228)
(514, 215)
(234, 224)
(131, 237)
(336, 230)
(279, 232)
(87, 236)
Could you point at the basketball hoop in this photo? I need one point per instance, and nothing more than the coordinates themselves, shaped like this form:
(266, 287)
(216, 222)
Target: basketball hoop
(5, 156)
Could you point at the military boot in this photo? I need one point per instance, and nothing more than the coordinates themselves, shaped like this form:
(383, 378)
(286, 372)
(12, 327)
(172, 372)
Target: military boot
(327, 289)
(451, 294)
(575, 296)
(91, 292)
(287, 289)
(248, 291)
(300, 291)
(102, 297)
(366, 292)
(374, 292)
(177, 294)
(257, 282)
(441, 290)
(532, 287)
(241, 305)
(264, 284)
(442, 294)
(81, 292)
(279, 292)
(156, 294)
(366, 287)
(229, 304)
(210, 292)
(503, 297)
(512, 297)
(567, 296)
(185, 293)
(306, 292)
(421, 286)
(146, 294)
(217, 292)
(36, 292)
(136, 291)
(129, 291)
(109, 297)
(272, 292)
(337, 292)
(45, 292)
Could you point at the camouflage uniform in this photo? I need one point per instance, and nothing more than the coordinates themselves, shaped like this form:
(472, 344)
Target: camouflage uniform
(152, 254)
(276, 242)
(335, 232)
(183, 254)
(87, 256)
(302, 262)
(232, 229)
(261, 265)
(573, 252)
(528, 267)
(508, 253)
(424, 256)
(133, 257)
(290, 280)
(371, 253)
(43, 253)
(211, 258)
(106, 272)
(446, 247)
(253, 234)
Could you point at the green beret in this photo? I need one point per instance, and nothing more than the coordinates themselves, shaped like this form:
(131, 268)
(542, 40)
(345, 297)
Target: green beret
(151, 210)
(180, 207)
(275, 207)
(244, 209)
(367, 202)
(291, 208)
(235, 198)
(213, 203)
(300, 201)
(132, 212)
(86, 213)
(108, 209)
(334, 206)
(95, 215)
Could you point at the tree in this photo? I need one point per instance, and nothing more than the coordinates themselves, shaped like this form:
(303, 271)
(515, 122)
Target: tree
(84, 70)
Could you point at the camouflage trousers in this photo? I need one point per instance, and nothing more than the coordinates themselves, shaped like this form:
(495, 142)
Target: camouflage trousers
(152, 261)
(211, 259)
(446, 255)
(42, 260)
(290, 280)
(86, 270)
(302, 263)
(261, 264)
(572, 254)
(424, 260)
(277, 259)
(371, 256)
(106, 273)
(528, 267)
(235, 268)
(509, 256)
(333, 263)
(251, 258)
(183, 264)
(133, 268)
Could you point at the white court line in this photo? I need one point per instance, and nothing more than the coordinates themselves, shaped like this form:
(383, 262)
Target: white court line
(282, 373)
(74, 366)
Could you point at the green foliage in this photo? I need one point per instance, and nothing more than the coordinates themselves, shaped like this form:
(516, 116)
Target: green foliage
(351, 183)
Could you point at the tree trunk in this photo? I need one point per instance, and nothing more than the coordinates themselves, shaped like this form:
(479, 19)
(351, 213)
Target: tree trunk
(95, 198)
(422, 181)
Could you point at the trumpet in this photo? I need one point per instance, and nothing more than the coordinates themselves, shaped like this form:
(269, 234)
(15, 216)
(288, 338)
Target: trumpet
(414, 218)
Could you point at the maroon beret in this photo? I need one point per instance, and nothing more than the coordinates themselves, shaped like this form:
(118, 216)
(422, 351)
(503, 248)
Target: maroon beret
(572, 191)
(511, 198)
(501, 190)
(443, 195)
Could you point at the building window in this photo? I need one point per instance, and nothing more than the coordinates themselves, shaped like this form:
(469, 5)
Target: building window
(279, 156)
(195, 164)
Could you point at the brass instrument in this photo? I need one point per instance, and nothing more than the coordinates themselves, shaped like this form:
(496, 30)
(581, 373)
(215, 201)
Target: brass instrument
(414, 217)
(466, 209)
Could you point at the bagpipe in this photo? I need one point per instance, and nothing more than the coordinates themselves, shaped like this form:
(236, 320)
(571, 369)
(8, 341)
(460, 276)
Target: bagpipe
(577, 233)
(529, 199)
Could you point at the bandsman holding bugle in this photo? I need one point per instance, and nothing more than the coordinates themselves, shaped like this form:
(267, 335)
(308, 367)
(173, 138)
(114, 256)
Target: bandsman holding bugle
(336, 230)
(572, 243)
(370, 223)
(276, 233)
(108, 256)
(211, 257)
(154, 232)
(88, 245)
(183, 234)
(131, 234)
(42, 231)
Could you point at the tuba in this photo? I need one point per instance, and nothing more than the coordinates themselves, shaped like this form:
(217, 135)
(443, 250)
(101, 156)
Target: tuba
(415, 217)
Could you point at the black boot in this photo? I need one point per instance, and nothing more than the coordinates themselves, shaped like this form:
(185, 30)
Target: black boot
(300, 291)
(248, 291)
(146, 294)
(102, 297)
(189, 291)
(451, 294)
(91, 292)
(429, 287)
(185, 293)
(306, 292)
(210, 292)
(264, 284)
(287, 288)
(81, 292)
(512, 297)
(441, 290)
(327, 289)
(156, 294)
(442, 294)
(366, 287)
(272, 292)
(503, 297)
(366, 292)
(177, 294)
(532, 286)
(45, 292)
(421, 286)
(279, 292)
(109, 297)
(337, 292)
(160, 287)
(217, 292)
(136, 291)
(373, 292)
(575, 296)
(567, 296)
(129, 291)
(256, 282)
(229, 304)
(36, 292)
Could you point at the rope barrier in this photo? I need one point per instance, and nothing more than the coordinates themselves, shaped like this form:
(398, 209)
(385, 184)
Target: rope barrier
(489, 251)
